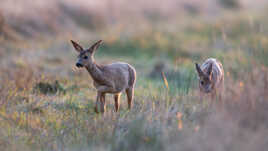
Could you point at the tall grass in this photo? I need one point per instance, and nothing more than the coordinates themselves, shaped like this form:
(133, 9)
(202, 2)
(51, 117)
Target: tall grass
(48, 104)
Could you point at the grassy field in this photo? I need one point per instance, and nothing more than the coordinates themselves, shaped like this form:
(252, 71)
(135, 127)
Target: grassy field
(46, 103)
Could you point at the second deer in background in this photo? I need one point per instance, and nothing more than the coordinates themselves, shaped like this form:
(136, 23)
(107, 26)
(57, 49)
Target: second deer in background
(211, 78)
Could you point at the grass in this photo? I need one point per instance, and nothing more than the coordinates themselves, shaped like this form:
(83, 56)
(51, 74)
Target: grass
(47, 104)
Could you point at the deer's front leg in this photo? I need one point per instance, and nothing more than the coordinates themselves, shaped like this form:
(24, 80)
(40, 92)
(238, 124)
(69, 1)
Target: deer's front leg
(213, 98)
(102, 102)
(97, 104)
(201, 96)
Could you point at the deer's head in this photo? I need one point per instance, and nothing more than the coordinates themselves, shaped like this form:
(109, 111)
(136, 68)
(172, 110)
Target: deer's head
(85, 56)
(205, 78)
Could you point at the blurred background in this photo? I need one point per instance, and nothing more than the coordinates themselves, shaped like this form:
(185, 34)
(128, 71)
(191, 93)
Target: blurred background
(162, 35)
(47, 103)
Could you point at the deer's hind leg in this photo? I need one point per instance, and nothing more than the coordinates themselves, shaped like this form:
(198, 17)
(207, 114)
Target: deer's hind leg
(117, 101)
(130, 95)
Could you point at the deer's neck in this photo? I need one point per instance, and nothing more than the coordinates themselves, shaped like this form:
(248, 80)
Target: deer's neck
(95, 71)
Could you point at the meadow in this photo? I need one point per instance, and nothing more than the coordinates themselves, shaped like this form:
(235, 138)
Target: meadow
(47, 104)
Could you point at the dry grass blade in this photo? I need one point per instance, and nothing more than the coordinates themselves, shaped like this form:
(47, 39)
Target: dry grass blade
(165, 80)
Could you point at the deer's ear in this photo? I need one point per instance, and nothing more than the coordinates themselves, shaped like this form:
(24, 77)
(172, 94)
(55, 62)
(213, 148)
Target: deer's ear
(210, 69)
(95, 46)
(77, 47)
(199, 71)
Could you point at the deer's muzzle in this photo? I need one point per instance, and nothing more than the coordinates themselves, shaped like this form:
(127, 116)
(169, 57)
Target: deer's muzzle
(79, 65)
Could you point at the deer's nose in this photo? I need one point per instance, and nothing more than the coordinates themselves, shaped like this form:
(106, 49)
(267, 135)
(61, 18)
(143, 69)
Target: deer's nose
(79, 65)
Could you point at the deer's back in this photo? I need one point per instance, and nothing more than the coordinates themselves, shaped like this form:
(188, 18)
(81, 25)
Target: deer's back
(120, 74)
(217, 70)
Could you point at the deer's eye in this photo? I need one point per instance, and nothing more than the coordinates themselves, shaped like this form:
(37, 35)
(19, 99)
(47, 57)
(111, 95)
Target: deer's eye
(202, 82)
(85, 57)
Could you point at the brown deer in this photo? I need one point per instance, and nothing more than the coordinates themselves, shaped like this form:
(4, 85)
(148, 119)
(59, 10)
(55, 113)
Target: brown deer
(112, 78)
(211, 78)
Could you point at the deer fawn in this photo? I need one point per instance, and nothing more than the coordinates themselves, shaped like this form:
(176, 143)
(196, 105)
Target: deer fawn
(211, 78)
(111, 78)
